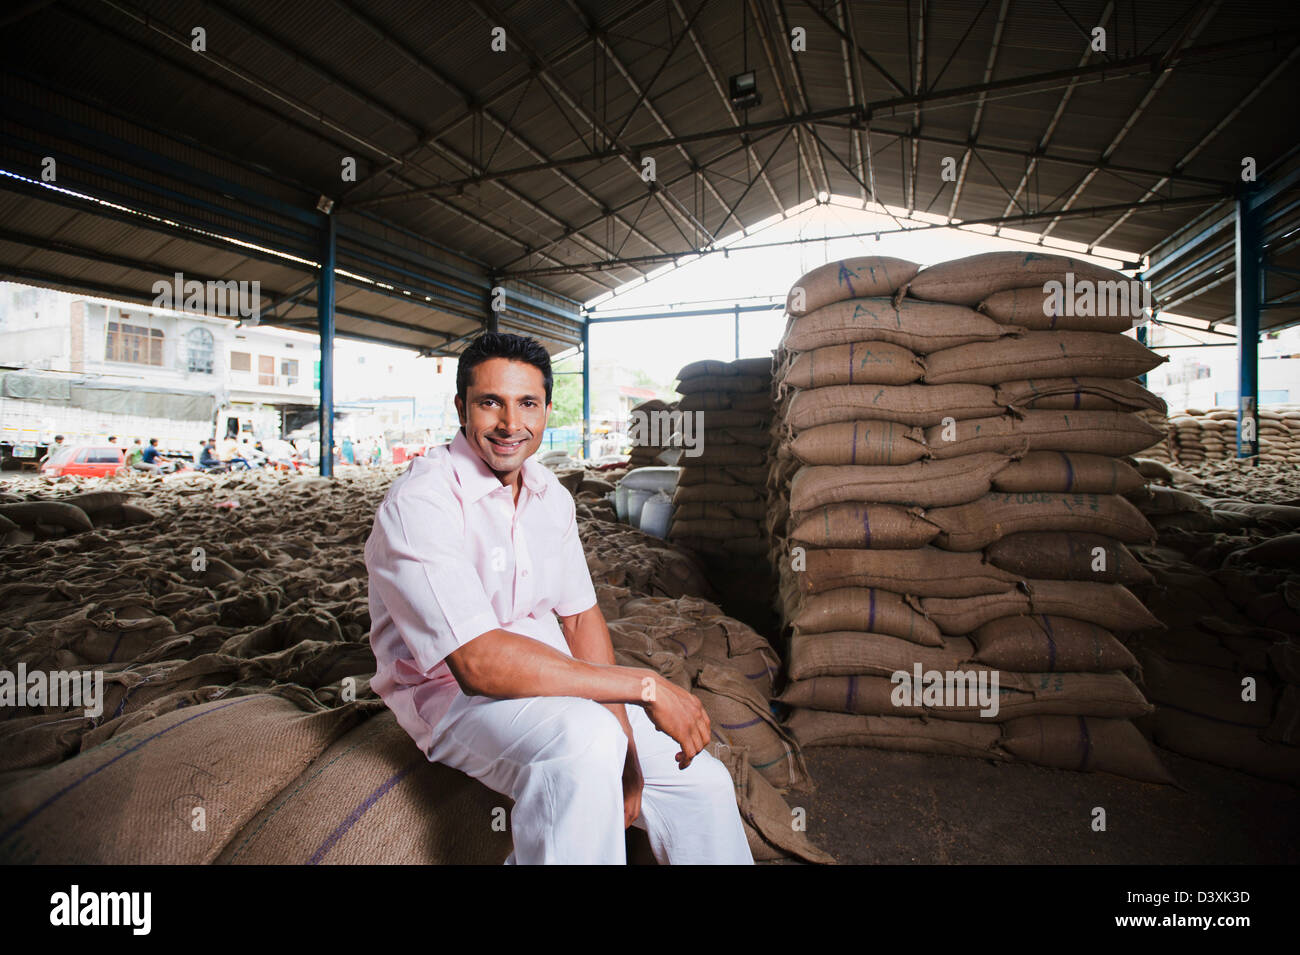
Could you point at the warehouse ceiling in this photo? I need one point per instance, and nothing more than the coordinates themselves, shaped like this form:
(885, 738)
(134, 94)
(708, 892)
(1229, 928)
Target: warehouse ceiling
(528, 167)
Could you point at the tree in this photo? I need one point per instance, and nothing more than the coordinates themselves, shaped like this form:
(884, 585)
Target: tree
(566, 393)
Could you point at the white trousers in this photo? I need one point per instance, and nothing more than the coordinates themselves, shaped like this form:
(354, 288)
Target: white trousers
(561, 758)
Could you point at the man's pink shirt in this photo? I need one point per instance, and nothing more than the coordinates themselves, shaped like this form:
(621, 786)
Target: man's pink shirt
(450, 557)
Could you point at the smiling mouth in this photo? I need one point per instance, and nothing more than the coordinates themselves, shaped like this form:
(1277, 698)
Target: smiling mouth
(506, 447)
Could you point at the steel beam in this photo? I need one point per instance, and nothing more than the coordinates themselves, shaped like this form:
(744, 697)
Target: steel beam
(974, 133)
(1204, 141)
(325, 324)
(993, 220)
(1166, 62)
(586, 390)
(1247, 301)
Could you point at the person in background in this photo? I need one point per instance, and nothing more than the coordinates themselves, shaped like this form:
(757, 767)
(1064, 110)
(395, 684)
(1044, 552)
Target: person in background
(348, 451)
(49, 452)
(208, 458)
(151, 458)
(230, 453)
(133, 456)
(112, 439)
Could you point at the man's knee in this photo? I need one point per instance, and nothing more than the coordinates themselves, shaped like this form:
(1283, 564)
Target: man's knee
(711, 779)
(587, 730)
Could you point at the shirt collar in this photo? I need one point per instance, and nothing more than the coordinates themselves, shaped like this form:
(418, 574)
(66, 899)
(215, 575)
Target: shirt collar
(478, 480)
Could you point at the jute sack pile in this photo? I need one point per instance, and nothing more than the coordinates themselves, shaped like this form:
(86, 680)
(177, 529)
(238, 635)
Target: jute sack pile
(1198, 437)
(653, 442)
(947, 491)
(719, 506)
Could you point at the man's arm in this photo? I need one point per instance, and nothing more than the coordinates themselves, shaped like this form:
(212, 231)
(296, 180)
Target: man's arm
(507, 665)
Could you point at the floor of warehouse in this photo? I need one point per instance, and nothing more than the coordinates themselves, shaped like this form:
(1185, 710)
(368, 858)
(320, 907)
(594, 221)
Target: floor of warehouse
(878, 807)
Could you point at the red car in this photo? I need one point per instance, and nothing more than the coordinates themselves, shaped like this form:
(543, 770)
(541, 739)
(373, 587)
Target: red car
(86, 460)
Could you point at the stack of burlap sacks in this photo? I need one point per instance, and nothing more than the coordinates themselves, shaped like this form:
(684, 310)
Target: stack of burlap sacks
(946, 492)
(1199, 436)
(720, 502)
(646, 452)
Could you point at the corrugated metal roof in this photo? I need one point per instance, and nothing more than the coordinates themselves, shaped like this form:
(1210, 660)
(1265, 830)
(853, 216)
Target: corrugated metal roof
(284, 92)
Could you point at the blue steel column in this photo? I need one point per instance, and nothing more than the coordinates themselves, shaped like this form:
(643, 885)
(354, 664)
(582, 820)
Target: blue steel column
(325, 321)
(586, 388)
(736, 319)
(1141, 329)
(1248, 301)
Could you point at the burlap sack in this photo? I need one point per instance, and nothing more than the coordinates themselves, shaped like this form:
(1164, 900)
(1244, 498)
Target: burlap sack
(1042, 643)
(972, 279)
(718, 528)
(1094, 432)
(132, 800)
(1057, 555)
(859, 442)
(1037, 355)
(920, 327)
(747, 475)
(924, 571)
(900, 733)
(740, 717)
(1031, 308)
(1086, 744)
(1225, 744)
(1078, 394)
(923, 405)
(373, 798)
(1108, 695)
(724, 384)
(769, 823)
(977, 524)
(1109, 605)
(715, 492)
(862, 608)
(1067, 471)
(853, 653)
(922, 484)
(860, 277)
(713, 510)
(855, 524)
(722, 401)
(715, 454)
(857, 363)
(1207, 691)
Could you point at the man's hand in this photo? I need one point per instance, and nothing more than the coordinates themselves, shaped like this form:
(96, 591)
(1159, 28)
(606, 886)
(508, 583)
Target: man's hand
(679, 714)
(633, 783)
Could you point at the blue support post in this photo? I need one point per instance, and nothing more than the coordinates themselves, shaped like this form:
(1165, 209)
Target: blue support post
(586, 389)
(1142, 329)
(325, 321)
(736, 319)
(1248, 302)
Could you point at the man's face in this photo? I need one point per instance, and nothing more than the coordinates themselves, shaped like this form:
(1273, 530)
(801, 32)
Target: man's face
(504, 413)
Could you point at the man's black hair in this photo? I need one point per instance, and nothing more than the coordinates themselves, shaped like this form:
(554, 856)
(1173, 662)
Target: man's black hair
(502, 345)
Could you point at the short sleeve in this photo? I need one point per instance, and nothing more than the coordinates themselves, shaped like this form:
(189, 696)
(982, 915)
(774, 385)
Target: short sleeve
(578, 594)
(417, 563)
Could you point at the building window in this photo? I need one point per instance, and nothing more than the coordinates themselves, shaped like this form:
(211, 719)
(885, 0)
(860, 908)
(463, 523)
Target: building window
(241, 361)
(289, 371)
(266, 370)
(199, 348)
(137, 344)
